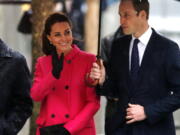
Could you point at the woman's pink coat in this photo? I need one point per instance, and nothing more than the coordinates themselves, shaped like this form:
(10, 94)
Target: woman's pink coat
(67, 100)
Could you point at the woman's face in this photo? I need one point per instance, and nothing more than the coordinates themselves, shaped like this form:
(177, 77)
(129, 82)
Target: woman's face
(61, 37)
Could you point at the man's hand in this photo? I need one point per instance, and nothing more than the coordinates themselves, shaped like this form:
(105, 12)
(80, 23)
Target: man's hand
(98, 72)
(135, 113)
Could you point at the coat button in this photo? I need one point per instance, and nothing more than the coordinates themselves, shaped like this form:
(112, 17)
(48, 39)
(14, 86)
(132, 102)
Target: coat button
(53, 88)
(52, 115)
(69, 61)
(67, 115)
(66, 87)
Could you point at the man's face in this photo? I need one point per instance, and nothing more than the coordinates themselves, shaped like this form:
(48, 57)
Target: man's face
(129, 18)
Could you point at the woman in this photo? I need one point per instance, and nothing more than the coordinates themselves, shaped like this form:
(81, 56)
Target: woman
(67, 103)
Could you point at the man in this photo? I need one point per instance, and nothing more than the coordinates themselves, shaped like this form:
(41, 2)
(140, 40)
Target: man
(143, 73)
(15, 101)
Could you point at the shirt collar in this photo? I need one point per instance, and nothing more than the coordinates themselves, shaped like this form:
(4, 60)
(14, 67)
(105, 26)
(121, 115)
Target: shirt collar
(144, 38)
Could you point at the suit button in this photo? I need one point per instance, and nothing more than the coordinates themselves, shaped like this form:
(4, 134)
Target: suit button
(69, 61)
(66, 87)
(67, 115)
(53, 89)
(52, 115)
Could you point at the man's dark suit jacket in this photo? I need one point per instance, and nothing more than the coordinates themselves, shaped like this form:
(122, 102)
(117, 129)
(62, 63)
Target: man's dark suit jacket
(157, 87)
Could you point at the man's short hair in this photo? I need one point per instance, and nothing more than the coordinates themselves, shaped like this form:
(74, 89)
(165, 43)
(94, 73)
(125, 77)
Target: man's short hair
(140, 5)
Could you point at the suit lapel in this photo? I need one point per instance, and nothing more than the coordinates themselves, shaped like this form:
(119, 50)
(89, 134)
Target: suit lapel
(150, 49)
(126, 56)
(125, 64)
(146, 61)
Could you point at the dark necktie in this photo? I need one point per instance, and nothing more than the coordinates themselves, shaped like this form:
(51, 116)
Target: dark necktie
(135, 60)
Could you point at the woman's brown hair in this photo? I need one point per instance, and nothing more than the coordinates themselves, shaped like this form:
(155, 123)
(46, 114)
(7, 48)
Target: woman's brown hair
(47, 48)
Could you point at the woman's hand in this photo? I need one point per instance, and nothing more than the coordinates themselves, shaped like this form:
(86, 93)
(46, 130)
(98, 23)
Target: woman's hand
(98, 72)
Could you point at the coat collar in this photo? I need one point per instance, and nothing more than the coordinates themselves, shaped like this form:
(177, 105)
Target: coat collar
(5, 51)
(75, 50)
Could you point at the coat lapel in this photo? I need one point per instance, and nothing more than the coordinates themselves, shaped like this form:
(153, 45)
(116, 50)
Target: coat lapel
(46, 64)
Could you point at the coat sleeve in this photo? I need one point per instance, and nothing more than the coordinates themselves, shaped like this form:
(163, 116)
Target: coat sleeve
(88, 112)
(20, 102)
(42, 84)
(165, 106)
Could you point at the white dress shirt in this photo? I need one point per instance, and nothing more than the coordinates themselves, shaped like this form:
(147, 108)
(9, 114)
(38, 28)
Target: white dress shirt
(143, 41)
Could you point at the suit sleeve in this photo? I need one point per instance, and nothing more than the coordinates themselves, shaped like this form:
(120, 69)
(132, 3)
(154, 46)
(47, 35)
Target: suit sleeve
(42, 84)
(87, 113)
(20, 102)
(167, 105)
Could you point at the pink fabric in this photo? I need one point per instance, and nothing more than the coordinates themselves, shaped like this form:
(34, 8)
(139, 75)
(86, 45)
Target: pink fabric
(66, 100)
